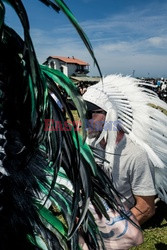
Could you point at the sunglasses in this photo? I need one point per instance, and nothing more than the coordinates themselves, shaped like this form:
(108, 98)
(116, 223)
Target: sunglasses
(91, 112)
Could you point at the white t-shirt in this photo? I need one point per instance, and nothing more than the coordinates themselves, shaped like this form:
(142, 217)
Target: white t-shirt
(132, 171)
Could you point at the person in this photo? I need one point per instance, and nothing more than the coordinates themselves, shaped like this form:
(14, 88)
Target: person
(160, 82)
(127, 163)
(117, 232)
(132, 171)
(163, 86)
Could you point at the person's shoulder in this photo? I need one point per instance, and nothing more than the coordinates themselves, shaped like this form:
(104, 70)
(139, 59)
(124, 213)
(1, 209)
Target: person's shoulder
(135, 149)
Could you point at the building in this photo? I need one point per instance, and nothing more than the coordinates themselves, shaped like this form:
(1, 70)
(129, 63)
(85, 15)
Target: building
(75, 69)
(70, 66)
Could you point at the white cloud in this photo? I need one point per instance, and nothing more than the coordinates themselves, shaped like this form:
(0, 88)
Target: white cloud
(158, 41)
(142, 63)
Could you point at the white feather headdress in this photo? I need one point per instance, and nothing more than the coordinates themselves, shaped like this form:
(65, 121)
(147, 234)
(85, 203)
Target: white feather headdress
(138, 109)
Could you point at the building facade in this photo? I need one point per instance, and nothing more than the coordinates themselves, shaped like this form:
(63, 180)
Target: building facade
(70, 66)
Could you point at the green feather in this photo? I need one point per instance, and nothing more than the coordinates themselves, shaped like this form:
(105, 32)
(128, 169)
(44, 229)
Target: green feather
(63, 81)
(38, 241)
(52, 220)
(86, 153)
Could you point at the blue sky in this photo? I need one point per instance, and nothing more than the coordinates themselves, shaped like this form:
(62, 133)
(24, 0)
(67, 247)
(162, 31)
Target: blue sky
(127, 35)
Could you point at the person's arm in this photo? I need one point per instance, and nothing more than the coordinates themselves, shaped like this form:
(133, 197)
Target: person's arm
(144, 208)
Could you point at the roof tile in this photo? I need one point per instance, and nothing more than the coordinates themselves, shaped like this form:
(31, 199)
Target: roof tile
(70, 60)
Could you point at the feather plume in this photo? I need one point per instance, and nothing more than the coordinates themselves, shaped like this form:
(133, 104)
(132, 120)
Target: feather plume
(139, 114)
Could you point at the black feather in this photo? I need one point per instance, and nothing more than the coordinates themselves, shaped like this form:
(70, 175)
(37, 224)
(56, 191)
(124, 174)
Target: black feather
(49, 3)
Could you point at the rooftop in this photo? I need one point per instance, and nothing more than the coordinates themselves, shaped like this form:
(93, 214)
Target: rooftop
(69, 60)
